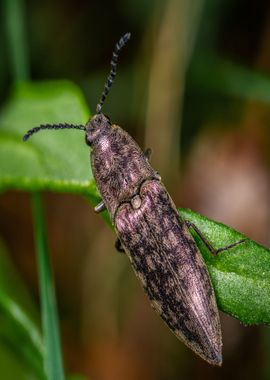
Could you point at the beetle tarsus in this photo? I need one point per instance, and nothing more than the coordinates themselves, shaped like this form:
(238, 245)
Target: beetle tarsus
(118, 246)
(208, 244)
(148, 153)
(100, 207)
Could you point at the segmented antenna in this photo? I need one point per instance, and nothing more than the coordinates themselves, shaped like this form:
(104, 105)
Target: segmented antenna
(52, 126)
(120, 44)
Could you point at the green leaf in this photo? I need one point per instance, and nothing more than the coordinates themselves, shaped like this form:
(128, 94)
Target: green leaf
(19, 321)
(50, 160)
(240, 275)
(224, 77)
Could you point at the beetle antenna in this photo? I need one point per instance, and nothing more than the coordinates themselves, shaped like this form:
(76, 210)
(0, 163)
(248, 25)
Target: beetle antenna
(52, 126)
(120, 44)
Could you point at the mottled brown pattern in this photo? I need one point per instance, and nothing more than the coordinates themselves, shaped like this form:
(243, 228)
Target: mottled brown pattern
(119, 166)
(158, 243)
(171, 268)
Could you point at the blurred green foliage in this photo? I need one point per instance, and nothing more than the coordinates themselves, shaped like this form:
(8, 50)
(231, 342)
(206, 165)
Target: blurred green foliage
(20, 331)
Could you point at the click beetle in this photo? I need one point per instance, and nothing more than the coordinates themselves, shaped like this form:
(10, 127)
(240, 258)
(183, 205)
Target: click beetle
(150, 230)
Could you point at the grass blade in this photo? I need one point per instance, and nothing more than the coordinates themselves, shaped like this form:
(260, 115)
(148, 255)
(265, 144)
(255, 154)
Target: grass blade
(53, 357)
(16, 36)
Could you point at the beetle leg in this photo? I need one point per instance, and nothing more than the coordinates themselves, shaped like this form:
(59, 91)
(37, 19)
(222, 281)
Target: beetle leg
(208, 244)
(100, 207)
(147, 153)
(118, 246)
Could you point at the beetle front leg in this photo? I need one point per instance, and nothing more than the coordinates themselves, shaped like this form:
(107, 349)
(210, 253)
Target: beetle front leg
(147, 153)
(100, 207)
(118, 246)
(208, 244)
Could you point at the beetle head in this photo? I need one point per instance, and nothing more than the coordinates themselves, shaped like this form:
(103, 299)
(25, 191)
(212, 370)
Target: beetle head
(97, 125)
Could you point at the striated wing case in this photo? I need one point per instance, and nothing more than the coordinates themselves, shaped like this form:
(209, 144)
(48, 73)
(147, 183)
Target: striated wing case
(167, 261)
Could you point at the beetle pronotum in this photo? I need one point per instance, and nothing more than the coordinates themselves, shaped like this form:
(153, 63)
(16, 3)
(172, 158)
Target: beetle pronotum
(156, 239)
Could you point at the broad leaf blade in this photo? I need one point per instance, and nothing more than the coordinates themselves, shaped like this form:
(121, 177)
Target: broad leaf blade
(50, 160)
(241, 275)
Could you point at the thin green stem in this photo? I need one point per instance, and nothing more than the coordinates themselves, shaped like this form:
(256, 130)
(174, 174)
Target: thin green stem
(53, 363)
(53, 357)
(16, 37)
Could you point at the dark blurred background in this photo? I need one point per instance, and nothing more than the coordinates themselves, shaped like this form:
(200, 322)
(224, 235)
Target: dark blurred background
(193, 84)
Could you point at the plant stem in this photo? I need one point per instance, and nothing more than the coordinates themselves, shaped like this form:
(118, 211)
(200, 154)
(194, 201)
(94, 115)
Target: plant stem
(16, 37)
(53, 363)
